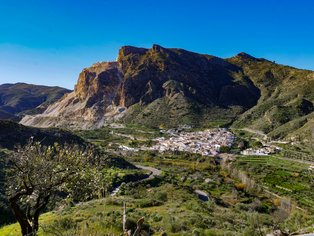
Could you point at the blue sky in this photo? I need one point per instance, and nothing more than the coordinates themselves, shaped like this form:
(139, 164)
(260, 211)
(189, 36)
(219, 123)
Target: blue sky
(49, 42)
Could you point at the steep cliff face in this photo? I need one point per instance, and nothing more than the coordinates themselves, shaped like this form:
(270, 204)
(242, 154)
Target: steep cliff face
(173, 86)
(173, 81)
(208, 80)
(88, 104)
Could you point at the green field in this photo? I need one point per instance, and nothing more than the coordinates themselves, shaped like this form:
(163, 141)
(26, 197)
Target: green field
(282, 176)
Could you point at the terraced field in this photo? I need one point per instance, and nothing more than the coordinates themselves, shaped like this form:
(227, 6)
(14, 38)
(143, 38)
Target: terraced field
(284, 177)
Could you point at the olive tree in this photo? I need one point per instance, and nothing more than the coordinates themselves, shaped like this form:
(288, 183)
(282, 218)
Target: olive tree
(36, 173)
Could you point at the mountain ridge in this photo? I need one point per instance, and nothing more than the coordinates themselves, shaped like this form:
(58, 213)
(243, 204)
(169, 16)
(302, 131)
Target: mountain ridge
(170, 86)
(18, 99)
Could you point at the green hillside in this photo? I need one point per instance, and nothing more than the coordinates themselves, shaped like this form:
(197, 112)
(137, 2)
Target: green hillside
(285, 108)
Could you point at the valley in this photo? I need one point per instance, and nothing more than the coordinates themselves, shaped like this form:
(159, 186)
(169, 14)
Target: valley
(173, 200)
(156, 118)
(193, 144)
(187, 187)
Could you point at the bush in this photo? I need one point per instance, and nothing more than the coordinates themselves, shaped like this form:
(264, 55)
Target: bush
(65, 223)
(161, 196)
(240, 186)
(224, 149)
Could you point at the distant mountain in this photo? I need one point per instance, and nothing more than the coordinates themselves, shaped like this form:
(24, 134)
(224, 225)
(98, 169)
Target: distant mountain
(19, 99)
(167, 87)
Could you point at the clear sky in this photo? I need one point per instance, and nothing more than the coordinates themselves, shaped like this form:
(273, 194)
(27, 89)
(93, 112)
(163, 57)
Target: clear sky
(50, 41)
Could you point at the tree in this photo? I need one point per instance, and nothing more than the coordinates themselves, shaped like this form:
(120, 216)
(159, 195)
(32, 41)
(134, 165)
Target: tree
(36, 173)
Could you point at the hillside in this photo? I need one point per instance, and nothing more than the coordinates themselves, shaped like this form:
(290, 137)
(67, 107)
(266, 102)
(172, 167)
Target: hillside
(285, 108)
(12, 134)
(20, 98)
(170, 87)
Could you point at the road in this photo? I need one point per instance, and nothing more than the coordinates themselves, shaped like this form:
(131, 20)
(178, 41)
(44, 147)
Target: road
(253, 131)
(153, 174)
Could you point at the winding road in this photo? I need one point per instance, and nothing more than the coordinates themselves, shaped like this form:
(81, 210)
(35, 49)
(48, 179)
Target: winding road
(153, 174)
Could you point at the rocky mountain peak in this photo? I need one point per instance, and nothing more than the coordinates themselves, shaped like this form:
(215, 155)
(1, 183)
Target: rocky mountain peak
(91, 80)
(168, 83)
(157, 48)
(127, 50)
(245, 56)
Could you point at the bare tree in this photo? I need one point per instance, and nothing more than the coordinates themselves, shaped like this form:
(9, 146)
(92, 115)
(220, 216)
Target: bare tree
(36, 173)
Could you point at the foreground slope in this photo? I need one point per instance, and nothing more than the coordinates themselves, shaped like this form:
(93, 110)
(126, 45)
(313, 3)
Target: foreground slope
(17, 99)
(13, 134)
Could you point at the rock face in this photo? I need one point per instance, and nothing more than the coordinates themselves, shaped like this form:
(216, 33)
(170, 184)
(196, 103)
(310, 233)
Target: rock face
(163, 86)
(206, 79)
(86, 107)
(18, 99)
(106, 90)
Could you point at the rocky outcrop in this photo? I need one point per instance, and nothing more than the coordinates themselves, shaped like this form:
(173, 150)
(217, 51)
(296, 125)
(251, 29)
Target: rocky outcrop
(171, 86)
(106, 90)
(145, 72)
(88, 105)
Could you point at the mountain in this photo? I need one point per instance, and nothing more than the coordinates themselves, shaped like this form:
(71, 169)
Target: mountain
(19, 99)
(153, 86)
(285, 108)
(168, 87)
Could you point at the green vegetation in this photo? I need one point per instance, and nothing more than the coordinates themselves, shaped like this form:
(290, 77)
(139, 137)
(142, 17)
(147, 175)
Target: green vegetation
(285, 108)
(238, 204)
(167, 114)
(281, 176)
(36, 174)
(13, 134)
(169, 204)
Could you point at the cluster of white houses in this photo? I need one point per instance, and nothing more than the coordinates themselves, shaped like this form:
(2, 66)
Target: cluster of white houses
(207, 142)
(263, 151)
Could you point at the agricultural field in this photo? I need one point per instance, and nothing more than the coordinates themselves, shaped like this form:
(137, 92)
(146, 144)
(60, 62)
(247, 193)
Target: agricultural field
(282, 176)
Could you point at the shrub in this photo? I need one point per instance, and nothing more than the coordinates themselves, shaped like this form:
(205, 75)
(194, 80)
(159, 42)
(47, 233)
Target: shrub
(240, 186)
(224, 149)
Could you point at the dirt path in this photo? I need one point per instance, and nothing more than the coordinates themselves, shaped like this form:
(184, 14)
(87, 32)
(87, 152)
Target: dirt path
(253, 131)
(297, 160)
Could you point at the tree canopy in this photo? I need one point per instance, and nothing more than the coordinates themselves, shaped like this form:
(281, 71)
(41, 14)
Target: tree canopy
(37, 173)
